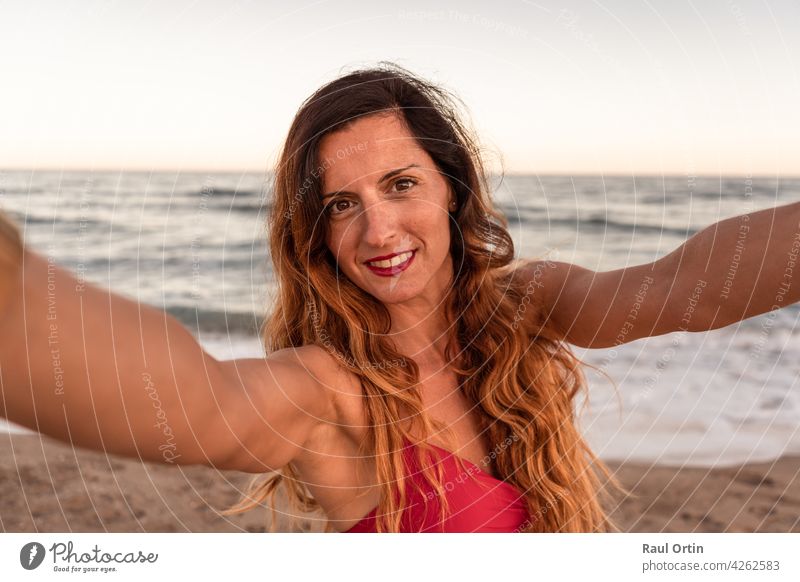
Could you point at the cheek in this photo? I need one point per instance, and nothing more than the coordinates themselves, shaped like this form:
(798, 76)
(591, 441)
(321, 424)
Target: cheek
(434, 221)
(341, 242)
(427, 222)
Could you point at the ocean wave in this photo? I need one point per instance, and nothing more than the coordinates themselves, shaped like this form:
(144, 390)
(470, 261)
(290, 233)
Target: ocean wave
(216, 321)
(594, 223)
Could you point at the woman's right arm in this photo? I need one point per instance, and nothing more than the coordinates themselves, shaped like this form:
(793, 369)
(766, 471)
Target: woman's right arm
(87, 366)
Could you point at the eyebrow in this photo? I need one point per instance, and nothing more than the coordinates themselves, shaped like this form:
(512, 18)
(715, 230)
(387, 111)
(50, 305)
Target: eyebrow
(386, 176)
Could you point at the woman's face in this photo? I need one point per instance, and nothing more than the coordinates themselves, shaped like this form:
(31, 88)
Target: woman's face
(384, 197)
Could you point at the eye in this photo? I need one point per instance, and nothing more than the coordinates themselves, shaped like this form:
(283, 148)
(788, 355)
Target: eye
(409, 181)
(335, 208)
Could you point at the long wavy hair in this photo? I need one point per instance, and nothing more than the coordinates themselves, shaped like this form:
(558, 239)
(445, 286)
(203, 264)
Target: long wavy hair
(520, 379)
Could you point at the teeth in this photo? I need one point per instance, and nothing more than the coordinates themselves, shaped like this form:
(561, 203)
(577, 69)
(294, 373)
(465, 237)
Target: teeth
(393, 262)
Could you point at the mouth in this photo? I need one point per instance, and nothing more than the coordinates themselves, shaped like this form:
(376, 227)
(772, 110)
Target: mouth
(389, 267)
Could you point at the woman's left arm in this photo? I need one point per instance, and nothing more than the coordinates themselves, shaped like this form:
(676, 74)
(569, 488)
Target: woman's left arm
(734, 269)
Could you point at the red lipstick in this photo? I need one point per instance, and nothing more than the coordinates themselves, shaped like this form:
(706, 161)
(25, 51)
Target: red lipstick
(393, 270)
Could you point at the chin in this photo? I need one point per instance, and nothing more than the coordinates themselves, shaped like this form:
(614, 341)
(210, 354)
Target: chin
(392, 291)
(398, 294)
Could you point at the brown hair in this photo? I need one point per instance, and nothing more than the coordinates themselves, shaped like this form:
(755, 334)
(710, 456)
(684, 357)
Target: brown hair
(521, 378)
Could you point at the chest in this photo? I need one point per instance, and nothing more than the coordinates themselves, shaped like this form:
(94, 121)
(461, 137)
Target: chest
(442, 401)
(343, 481)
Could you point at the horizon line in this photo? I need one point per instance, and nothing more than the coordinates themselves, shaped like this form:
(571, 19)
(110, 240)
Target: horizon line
(613, 174)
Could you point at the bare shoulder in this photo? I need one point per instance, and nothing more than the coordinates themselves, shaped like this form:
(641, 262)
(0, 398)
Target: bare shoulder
(567, 299)
(281, 404)
(342, 427)
(343, 390)
(540, 280)
(535, 269)
(341, 386)
(303, 374)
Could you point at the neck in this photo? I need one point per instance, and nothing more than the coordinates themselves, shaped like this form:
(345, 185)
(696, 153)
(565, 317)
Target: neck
(419, 327)
(421, 336)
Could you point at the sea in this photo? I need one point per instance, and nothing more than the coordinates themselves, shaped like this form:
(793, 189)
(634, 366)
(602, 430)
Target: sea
(194, 244)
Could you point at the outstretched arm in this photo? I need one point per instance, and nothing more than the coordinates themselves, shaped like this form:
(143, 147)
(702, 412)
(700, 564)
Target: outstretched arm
(749, 265)
(87, 366)
(734, 269)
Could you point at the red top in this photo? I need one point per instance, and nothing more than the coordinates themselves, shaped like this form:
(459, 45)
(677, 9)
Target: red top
(478, 502)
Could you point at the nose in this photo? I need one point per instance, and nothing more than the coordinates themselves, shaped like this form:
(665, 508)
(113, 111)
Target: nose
(379, 224)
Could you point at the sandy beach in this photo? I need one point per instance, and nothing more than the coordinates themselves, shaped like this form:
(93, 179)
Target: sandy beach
(46, 486)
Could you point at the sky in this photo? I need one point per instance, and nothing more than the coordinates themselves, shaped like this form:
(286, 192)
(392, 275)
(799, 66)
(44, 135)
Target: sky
(615, 87)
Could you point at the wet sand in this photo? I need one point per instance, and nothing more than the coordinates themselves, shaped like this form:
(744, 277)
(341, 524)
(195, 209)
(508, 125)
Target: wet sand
(47, 486)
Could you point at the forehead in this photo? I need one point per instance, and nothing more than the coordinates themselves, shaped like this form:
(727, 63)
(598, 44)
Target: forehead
(368, 148)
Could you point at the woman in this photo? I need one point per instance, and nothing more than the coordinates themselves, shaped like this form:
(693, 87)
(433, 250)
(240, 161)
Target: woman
(418, 378)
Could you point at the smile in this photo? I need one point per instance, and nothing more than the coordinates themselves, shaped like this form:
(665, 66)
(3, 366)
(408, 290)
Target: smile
(393, 266)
